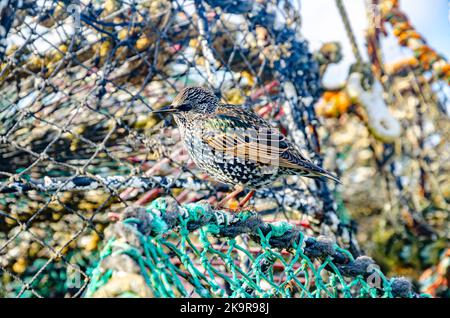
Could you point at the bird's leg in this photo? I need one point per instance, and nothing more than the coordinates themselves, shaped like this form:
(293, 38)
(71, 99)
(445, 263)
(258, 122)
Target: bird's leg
(246, 198)
(237, 189)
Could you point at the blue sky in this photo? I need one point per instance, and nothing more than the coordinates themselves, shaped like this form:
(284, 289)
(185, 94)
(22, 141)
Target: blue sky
(322, 23)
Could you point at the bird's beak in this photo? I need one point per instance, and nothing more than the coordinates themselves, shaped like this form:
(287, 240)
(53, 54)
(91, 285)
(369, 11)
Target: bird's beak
(164, 110)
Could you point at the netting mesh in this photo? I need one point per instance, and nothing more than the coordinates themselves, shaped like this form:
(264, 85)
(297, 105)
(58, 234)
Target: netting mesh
(283, 263)
(81, 150)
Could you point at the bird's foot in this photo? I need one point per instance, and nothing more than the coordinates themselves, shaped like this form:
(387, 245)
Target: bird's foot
(234, 207)
(246, 199)
(248, 207)
(228, 198)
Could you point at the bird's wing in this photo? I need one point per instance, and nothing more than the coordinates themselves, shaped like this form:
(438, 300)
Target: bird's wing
(246, 145)
(244, 134)
(235, 131)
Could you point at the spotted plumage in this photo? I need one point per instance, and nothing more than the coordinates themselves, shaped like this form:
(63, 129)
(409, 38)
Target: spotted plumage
(234, 145)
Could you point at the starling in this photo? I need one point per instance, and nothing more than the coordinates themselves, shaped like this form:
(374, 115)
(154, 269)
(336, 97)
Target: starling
(234, 145)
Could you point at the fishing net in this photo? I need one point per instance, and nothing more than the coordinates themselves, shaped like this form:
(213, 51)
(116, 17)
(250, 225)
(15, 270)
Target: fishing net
(98, 197)
(284, 262)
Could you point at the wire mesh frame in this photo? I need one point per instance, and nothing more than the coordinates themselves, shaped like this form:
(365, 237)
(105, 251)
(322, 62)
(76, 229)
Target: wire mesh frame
(115, 103)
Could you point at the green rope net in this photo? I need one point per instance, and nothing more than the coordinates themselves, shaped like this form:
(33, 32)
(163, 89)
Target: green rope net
(165, 250)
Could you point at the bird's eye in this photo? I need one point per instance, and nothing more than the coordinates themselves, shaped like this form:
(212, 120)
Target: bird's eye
(184, 107)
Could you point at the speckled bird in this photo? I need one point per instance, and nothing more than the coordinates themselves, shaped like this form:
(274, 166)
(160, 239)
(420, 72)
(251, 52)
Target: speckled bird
(234, 145)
